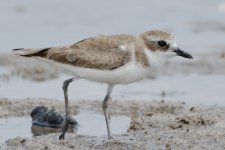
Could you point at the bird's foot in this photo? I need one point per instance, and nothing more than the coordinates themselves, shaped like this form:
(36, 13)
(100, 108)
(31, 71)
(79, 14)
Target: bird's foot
(65, 127)
(110, 137)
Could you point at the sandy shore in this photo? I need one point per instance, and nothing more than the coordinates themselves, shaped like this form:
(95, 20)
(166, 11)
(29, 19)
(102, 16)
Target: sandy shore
(154, 125)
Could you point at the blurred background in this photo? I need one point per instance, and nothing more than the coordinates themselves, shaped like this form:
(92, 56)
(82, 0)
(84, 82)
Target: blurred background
(198, 25)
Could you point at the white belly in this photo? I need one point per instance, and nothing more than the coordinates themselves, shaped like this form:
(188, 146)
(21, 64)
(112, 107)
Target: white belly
(129, 73)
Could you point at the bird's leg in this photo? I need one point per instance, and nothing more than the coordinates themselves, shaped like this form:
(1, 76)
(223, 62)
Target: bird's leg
(67, 118)
(105, 106)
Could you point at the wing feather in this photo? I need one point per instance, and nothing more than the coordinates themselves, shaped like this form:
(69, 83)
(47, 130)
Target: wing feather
(102, 52)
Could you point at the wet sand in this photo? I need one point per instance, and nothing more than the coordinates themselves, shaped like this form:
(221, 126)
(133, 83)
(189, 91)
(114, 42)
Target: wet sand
(155, 125)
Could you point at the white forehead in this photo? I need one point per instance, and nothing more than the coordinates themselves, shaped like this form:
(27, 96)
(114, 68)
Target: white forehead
(173, 45)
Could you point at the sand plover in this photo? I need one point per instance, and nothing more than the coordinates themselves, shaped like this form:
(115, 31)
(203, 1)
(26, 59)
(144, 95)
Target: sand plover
(112, 59)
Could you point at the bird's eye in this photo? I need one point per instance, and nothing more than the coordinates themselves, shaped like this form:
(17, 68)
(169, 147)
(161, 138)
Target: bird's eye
(161, 43)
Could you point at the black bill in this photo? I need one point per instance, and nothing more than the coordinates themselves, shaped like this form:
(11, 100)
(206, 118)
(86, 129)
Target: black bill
(182, 53)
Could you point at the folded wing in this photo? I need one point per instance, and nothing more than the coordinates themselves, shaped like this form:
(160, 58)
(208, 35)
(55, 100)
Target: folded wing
(102, 52)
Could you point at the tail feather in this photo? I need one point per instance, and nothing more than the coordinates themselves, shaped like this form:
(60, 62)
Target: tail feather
(41, 52)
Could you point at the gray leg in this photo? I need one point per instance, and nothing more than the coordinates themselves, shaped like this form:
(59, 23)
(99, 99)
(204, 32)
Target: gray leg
(105, 106)
(67, 119)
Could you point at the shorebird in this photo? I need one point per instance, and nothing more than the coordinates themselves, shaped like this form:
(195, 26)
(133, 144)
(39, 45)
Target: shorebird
(112, 59)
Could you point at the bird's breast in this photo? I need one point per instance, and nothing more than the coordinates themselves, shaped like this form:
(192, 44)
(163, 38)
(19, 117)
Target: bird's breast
(131, 72)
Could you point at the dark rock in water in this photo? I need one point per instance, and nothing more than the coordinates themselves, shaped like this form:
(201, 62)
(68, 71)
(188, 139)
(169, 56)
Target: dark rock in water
(41, 116)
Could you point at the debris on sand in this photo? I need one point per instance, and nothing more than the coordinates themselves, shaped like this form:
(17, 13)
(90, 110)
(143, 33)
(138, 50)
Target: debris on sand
(154, 125)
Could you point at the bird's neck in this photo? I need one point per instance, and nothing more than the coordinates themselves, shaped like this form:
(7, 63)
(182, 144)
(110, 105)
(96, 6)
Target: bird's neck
(155, 58)
(139, 52)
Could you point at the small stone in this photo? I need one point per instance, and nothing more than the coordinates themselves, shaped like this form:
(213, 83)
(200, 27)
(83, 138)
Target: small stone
(192, 109)
(23, 141)
(168, 146)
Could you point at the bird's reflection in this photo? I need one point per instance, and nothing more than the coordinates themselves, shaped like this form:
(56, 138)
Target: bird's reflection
(38, 130)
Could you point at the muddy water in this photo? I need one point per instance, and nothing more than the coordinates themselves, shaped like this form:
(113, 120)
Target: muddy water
(90, 123)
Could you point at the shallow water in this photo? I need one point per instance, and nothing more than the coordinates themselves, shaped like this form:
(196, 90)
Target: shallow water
(90, 123)
(193, 89)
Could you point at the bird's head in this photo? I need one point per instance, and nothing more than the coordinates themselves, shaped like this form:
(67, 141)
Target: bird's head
(163, 43)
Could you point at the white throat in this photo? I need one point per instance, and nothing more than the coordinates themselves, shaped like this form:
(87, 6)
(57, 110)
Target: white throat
(157, 58)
